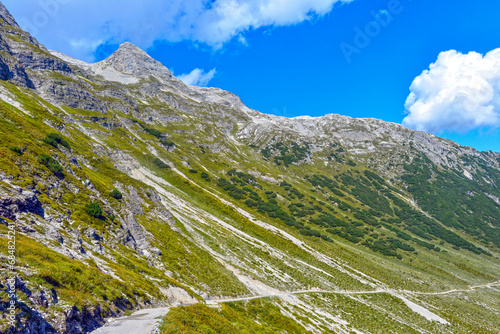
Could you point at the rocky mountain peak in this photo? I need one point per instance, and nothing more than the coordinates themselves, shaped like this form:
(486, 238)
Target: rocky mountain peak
(22, 52)
(129, 47)
(132, 60)
(7, 17)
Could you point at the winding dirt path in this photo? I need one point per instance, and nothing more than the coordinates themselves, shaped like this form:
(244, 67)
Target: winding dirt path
(339, 292)
(141, 322)
(471, 288)
(144, 321)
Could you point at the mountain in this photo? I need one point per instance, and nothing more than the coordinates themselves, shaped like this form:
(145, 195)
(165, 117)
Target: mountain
(129, 189)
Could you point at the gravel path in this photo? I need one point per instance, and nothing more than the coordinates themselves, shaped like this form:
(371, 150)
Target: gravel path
(146, 321)
(141, 322)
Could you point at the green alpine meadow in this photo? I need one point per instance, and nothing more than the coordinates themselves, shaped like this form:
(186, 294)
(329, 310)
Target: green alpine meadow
(124, 190)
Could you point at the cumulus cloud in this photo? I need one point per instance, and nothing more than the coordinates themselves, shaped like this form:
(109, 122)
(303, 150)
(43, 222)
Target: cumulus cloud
(459, 93)
(63, 24)
(197, 77)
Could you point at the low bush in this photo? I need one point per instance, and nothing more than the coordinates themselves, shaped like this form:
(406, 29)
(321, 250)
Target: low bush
(151, 131)
(161, 164)
(116, 194)
(167, 143)
(16, 149)
(94, 210)
(54, 139)
(51, 164)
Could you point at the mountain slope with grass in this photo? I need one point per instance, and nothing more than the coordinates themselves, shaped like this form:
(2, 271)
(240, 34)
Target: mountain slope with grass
(129, 189)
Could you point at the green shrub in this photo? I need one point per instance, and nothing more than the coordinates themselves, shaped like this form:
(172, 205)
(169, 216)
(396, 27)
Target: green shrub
(161, 164)
(94, 209)
(194, 171)
(326, 238)
(167, 143)
(50, 141)
(151, 131)
(250, 203)
(51, 164)
(54, 139)
(16, 149)
(225, 184)
(310, 232)
(116, 194)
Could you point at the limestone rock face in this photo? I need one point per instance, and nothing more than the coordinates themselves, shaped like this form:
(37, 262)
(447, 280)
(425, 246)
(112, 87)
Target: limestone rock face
(71, 94)
(18, 201)
(7, 17)
(39, 299)
(139, 240)
(54, 234)
(84, 321)
(15, 73)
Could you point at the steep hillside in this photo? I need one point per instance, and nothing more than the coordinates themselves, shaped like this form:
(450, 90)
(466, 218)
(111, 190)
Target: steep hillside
(129, 189)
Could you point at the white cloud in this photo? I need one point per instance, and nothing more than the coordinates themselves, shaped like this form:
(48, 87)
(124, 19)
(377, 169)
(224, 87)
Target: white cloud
(459, 92)
(242, 40)
(212, 22)
(228, 18)
(197, 77)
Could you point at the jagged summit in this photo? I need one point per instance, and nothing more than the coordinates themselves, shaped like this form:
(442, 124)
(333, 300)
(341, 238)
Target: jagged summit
(132, 60)
(129, 47)
(22, 55)
(7, 17)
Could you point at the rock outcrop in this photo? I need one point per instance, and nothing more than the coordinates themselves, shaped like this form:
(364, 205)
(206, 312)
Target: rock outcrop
(22, 52)
(19, 201)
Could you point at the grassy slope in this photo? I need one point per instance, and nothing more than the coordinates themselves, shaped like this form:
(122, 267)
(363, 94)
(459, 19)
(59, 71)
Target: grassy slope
(256, 317)
(82, 283)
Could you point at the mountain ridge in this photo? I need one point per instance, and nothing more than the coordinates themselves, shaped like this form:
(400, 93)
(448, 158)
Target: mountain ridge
(124, 56)
(137, 67)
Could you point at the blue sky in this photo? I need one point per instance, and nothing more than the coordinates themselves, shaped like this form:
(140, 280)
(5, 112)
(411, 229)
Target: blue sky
(288, 57)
